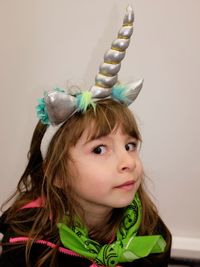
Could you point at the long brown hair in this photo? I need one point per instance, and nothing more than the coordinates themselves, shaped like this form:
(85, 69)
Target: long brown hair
(41, 177)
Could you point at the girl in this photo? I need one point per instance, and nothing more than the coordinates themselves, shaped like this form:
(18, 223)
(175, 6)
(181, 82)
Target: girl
(81, 199)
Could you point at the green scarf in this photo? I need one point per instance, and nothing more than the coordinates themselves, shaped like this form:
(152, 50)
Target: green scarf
(127, 247)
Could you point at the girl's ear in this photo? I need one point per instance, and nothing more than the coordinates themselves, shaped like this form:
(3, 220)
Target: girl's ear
(58, 183)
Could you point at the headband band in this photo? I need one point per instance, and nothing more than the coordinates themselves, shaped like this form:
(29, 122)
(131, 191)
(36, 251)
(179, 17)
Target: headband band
(57, 106)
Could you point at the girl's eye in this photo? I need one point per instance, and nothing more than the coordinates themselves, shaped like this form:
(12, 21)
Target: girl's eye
(99, 150)
(131, 146)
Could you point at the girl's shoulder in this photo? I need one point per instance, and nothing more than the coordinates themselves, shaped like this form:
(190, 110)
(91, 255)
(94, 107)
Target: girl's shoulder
(163, 230)
(13, 245)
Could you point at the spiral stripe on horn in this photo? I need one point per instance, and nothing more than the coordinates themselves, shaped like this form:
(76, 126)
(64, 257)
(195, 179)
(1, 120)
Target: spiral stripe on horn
(108, 70)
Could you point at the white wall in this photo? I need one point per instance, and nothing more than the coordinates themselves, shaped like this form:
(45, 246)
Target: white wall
(48, 43)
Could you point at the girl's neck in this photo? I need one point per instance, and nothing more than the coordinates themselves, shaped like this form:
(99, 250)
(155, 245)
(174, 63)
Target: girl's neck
(95, 222)
(95, 215)
(102, 222)
(96, 219)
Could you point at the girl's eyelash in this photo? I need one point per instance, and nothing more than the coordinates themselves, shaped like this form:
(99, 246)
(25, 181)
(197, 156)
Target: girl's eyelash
(135, 143)
(101, 148)
(98, 149)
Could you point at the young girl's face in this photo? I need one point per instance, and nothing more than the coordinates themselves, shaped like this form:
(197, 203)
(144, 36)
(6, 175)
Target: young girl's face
(106, 171)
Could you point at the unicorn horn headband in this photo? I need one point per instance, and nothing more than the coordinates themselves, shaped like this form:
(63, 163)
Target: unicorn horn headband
(57, 105)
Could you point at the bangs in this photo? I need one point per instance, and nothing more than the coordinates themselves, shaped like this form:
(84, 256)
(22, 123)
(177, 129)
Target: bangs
(106, 118)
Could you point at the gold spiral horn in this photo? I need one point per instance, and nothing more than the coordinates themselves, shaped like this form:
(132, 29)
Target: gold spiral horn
(107, 76)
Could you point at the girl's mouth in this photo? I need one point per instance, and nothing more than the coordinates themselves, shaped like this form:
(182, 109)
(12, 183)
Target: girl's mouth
(127, 185)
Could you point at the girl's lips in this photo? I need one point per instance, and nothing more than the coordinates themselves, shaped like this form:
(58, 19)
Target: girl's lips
(128, 185)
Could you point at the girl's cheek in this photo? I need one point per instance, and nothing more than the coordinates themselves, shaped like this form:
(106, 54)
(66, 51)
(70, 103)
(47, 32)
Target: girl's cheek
(140, 166)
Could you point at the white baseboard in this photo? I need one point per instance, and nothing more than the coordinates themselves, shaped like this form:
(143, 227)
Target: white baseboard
(185, 247)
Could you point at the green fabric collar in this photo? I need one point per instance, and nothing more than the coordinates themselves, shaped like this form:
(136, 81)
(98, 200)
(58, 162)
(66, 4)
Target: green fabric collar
(127, 247)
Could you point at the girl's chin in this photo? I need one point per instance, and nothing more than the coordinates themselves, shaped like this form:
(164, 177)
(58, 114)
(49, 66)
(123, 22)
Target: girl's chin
(124, 202)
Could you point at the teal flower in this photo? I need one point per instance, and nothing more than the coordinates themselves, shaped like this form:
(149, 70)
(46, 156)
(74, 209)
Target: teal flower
(41, 111)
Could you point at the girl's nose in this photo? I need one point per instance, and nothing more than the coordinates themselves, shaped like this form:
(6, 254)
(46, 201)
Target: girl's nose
(126, 162)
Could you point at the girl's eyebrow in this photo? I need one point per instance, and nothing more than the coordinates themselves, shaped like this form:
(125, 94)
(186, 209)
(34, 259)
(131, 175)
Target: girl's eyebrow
(98, 138)
(102, 137)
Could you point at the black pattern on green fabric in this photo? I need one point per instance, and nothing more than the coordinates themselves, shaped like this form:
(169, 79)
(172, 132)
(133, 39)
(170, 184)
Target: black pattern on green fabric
(127, 247)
